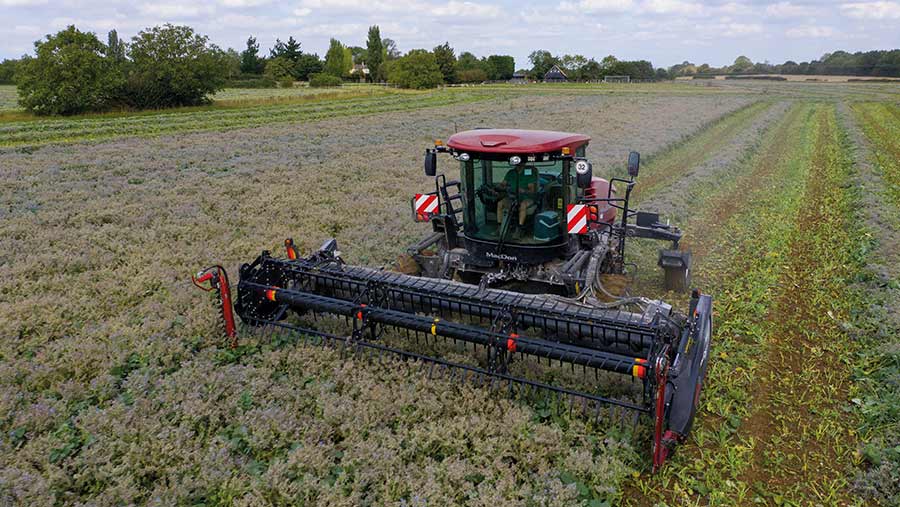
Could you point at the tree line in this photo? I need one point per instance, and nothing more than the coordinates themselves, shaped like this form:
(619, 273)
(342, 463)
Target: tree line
(167, 66)
(580, 68)
(378, 61)
(839, 63)
(73, 72)
(164, 66)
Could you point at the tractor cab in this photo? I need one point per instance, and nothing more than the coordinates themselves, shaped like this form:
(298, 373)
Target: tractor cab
(516, 186)
(526, 207)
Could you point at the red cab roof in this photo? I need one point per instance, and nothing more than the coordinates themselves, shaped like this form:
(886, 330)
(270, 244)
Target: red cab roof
(515, 141)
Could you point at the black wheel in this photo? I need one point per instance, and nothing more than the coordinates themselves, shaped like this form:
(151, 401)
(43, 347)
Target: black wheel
(250, 305)
(685, 400)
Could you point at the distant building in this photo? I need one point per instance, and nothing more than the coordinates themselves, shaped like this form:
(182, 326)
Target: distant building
(361, 70)
(555, 75)
(519, 77)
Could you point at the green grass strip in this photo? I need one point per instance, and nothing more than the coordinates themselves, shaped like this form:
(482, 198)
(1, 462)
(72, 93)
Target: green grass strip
(741, 270)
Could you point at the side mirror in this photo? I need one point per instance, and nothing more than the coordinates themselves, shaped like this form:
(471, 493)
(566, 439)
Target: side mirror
(430, 162)
(584, 173)
(634, 163)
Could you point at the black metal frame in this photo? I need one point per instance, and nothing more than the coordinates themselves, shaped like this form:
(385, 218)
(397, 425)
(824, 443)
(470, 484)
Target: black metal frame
(667, 351)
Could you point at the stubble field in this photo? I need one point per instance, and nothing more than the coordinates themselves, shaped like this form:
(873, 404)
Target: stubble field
(115, 388)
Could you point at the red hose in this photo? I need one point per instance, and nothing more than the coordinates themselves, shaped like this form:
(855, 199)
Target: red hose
(218, 280)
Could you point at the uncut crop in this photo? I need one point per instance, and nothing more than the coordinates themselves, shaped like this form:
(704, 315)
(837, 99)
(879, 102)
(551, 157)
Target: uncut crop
(115, 388)
(31, 133)
(878, 396)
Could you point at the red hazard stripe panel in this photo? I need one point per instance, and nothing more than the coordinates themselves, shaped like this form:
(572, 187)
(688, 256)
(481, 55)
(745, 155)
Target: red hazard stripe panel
(577, 219)
(426, 204)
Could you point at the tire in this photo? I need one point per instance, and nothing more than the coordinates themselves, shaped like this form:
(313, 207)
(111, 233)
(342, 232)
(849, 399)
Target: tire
(685, 400)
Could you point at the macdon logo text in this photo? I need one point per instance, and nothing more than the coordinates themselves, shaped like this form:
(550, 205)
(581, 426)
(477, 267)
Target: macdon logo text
(501, 257)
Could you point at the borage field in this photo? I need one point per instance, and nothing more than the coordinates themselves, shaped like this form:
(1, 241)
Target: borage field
(116, 387)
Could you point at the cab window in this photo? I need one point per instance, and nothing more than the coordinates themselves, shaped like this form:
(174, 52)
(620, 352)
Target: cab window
(524, 203)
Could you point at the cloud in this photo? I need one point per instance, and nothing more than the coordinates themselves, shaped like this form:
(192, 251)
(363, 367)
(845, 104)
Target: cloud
(244, 3)
(362, 5)
(680, 7)
(21, 3)
(173, 10)
(337, 30)
(810, 32)
(872, 10)
(595, 6)
(450, 11)
(734, 9)
(467, 9)
(731, 29)
(790, 10)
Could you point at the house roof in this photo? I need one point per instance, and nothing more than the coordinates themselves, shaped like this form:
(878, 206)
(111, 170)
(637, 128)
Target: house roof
(515, 141)
(556, 70)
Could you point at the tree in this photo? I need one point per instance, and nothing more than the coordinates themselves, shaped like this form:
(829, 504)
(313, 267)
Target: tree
(335, 59)
(251, 63)
(348, 61)
(574, 66)
(541, 62)
(684, 68)
(375, 54)
(391, 52)
(467, 61)
(307, 65)
(69, 74)
(741, 64)
(469, 69)
(418, 69)
(502, 66)
(471, 75)
(115, 47)
(358, 54)
(592, 71)
(173, 66)
(279, 68)
(446, 60)
(8, 71)
(232, 60)
(638, 69)
(289, 49)
(608, 62)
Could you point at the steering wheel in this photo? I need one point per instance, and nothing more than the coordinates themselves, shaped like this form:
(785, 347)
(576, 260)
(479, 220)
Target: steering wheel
(488, 193)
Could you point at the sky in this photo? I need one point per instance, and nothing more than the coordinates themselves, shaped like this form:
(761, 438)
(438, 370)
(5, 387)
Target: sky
(665, 32)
